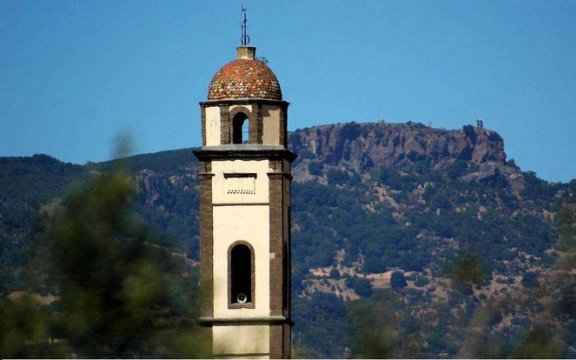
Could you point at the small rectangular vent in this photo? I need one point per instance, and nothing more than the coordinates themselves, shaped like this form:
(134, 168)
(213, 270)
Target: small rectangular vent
(240, 183)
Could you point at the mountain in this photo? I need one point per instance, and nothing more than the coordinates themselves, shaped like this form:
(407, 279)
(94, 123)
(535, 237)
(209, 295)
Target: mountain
(463, 229)
(408, 241)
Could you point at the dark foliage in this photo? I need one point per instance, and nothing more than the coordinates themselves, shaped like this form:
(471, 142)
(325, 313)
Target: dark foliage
(397, 280)
(119, 292)
(361, 286)
(324, 318)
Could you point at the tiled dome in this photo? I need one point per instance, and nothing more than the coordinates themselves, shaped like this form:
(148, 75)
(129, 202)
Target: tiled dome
(244, 78)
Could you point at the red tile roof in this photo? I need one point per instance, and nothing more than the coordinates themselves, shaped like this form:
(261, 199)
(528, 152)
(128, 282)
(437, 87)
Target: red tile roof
(243, 78)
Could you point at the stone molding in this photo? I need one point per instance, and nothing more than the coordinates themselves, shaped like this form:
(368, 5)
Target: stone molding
(281, 103)
(257, 320)
(236, 152)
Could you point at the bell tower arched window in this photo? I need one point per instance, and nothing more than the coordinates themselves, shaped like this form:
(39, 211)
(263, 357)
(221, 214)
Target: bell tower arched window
(241, 275)
(240, 128)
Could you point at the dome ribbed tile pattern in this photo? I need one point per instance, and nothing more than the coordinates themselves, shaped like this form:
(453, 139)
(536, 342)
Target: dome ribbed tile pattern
(242, 79)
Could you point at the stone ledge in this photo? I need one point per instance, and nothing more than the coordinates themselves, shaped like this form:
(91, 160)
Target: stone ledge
(279, 175)
(219, 102)
(244, 152)
(257, 320)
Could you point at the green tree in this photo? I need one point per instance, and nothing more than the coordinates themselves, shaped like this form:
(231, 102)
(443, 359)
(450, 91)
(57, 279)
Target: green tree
(566, 221)
(361, 286)
(539, 343)
(530, 280)
(397, 280)
(373, 326)
(315, 168)
(465, 270)
(122, 292)
(25, 330)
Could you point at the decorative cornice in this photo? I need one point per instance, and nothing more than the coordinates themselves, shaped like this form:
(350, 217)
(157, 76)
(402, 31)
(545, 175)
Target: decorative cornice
(220, 102)
(244, 152)
(257, 320)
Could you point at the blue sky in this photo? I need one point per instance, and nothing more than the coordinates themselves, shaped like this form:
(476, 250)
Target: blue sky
(75, 73)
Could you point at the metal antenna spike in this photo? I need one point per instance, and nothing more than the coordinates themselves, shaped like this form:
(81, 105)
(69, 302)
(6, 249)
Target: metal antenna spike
(244, 39)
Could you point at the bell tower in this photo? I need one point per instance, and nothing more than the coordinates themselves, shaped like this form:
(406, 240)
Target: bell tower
(244, 176)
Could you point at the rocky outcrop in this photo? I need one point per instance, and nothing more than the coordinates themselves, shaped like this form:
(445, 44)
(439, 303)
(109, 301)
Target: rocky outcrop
(359, 147)
(150, 186)
(398, 144)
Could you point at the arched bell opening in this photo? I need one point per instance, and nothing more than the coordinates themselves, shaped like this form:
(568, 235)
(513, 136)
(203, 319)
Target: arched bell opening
(241, 268)
(240, 128)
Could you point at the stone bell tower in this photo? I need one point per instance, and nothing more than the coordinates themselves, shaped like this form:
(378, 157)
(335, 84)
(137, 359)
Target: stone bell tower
(244, 175)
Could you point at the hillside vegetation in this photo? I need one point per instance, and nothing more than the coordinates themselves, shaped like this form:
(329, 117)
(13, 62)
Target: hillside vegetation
(408, 241)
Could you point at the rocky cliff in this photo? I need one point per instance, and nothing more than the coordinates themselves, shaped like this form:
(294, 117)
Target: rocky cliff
(398, 144)
(359, 147)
